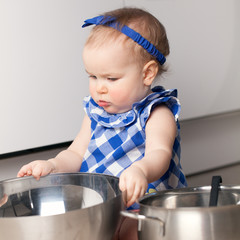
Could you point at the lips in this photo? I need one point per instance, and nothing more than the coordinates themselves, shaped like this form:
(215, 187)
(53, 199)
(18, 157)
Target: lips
(102, 103)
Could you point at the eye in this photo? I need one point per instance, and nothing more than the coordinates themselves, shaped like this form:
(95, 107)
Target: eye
(92, 77)
(112, 79)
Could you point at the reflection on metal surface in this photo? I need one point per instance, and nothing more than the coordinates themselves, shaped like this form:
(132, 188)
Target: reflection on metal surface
(187, 214)
(192, 197)
(51, 200)
(3, 200)
(52, 208)
(60, 206)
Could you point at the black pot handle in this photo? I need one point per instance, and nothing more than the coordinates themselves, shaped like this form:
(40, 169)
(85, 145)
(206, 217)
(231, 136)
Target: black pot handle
(216, 180)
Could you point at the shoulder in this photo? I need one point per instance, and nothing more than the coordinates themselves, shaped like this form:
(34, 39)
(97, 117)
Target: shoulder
(161, 130)
(161, 114)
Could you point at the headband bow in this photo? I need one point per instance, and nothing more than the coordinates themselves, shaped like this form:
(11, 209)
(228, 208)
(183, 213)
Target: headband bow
(135, 36)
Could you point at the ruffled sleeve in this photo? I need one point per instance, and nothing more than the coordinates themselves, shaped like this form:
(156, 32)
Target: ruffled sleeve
(158, 97)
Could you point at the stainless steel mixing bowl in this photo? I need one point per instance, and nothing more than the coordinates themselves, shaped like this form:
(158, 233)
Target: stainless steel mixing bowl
(60, 206)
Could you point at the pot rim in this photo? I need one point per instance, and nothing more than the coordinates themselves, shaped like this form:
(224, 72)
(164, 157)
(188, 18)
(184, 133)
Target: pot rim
(189, 190)
(54, 176)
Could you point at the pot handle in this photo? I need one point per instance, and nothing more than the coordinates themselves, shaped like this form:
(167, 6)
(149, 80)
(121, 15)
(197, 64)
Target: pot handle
(216, 180)
(140, 217)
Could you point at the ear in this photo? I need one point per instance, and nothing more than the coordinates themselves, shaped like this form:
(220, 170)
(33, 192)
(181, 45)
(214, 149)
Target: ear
(150, 71)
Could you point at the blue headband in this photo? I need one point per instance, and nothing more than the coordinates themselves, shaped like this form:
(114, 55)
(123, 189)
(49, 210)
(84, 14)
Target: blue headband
(135, 36)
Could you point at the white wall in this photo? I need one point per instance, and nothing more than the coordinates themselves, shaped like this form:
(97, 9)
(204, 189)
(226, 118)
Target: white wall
(204, 61)
(42, 80)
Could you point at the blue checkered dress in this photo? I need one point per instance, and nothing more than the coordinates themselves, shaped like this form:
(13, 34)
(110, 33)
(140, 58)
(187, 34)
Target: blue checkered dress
(118, 140)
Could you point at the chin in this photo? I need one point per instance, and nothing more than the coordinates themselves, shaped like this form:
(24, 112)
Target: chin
(117, 111)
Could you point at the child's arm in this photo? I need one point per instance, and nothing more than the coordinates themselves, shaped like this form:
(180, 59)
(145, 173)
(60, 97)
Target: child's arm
(160, 136)
(69, 160)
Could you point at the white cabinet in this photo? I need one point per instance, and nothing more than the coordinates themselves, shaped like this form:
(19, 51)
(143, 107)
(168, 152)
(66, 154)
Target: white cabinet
(204, 62)
(42, 78)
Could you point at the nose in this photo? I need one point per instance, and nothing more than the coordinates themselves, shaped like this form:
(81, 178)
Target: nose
(101, 86)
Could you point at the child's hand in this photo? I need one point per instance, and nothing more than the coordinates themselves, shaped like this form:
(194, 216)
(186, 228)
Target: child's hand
(134, 182)
(36, 169)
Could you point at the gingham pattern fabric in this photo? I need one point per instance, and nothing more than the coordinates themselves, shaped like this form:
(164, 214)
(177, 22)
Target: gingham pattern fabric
(118, 140)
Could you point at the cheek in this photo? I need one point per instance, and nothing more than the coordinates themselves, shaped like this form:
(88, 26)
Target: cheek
(92, 88)
(120, 93)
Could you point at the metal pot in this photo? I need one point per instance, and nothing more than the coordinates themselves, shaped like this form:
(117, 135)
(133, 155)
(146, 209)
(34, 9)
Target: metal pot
(186, 214)
(60, 206)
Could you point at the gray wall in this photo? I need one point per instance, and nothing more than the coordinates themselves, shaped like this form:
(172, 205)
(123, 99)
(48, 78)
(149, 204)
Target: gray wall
(210, 142)
(207, 143)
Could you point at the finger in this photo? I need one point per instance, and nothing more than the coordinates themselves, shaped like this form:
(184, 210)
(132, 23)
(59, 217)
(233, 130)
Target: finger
(135, 195)
(143, 191)
(37, 172)
(23, 171)
(124, 197)
(131, 188)
(122, 183)
(139, 191)
(29, 172)
(130, 191)
(20, 174)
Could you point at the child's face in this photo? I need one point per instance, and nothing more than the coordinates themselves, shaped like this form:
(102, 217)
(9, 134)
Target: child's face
(116, 80)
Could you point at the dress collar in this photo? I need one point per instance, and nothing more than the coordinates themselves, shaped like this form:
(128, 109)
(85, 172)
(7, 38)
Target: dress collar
(124, 119)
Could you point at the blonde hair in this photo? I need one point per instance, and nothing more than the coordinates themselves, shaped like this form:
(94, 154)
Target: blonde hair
(142, 22)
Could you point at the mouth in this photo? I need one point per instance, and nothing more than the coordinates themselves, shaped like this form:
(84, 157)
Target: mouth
(102, 103)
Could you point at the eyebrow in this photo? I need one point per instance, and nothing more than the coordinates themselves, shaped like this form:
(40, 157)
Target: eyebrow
(105, 74)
